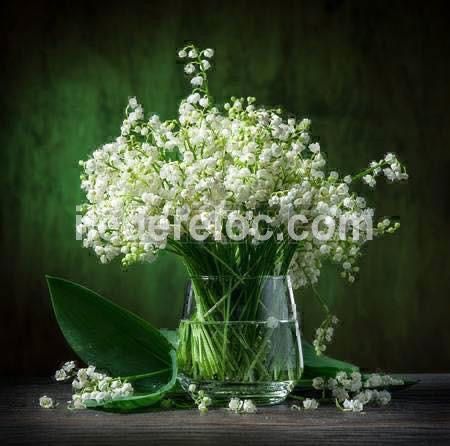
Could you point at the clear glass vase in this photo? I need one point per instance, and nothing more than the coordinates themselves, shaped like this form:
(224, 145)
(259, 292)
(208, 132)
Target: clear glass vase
(240, 337)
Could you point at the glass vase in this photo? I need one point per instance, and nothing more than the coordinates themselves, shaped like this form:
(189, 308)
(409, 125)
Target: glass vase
(240, 337)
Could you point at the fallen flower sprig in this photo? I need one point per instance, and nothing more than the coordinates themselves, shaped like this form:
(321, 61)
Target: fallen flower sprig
(200, 398)
(93, 388)
(352, 391)
(90, 387)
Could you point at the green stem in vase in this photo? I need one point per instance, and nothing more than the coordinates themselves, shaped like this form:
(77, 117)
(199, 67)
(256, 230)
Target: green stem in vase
(227, 337)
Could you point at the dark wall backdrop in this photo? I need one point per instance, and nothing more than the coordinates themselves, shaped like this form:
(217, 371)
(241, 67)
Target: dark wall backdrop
(372, 76)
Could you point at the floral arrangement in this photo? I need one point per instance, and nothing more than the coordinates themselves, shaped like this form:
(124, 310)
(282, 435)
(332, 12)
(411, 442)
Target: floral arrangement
(235, 172)
(242, 194)
(212, 166)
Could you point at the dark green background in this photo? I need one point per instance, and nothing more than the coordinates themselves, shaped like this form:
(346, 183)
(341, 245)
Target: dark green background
(372, 76)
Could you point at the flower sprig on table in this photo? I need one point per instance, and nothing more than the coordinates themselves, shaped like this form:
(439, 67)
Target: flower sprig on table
(90, 387)
(201, 399)
(93, 388)
(352, 391)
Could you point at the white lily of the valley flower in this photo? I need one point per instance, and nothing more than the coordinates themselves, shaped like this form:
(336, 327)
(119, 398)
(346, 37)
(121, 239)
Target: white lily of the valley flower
(61, 375)
(235, 405)
(353, 405)
(318, 383)
(193, 98)
(207, 400)
(208, 53)
(132, 102)
(76, 403)
(193, 54)
(69, 366)
(203, 102)
(249, 407)
(340, 393)
(46, 402)
(189, 68)
(203, 408)
(310, 404)
(364, 397)
(374, 380)
(384, 397)
(369, 180)
(197, 81)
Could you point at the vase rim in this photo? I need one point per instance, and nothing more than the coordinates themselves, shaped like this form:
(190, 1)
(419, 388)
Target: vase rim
(239, 322)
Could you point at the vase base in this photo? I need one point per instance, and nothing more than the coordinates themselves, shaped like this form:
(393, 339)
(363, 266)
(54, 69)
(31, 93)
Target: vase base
(220, 392)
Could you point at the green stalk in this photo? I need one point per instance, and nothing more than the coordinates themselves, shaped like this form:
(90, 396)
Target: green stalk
(213, 345)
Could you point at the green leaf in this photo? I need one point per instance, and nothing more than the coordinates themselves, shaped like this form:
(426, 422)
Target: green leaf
(139, 401)
(322, 365)
(114, 340)
(171, 336)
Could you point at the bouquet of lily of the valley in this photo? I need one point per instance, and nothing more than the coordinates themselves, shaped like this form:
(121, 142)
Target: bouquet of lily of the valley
(240, 173)
(242, 194)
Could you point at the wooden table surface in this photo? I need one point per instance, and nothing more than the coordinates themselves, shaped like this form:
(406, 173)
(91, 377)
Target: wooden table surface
(418, 415)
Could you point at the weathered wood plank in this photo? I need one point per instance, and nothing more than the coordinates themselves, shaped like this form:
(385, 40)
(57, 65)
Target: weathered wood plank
(419, 415)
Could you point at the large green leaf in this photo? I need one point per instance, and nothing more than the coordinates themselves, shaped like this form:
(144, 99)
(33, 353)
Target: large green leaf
(322, 365)
(115, 340)
(142, 400)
